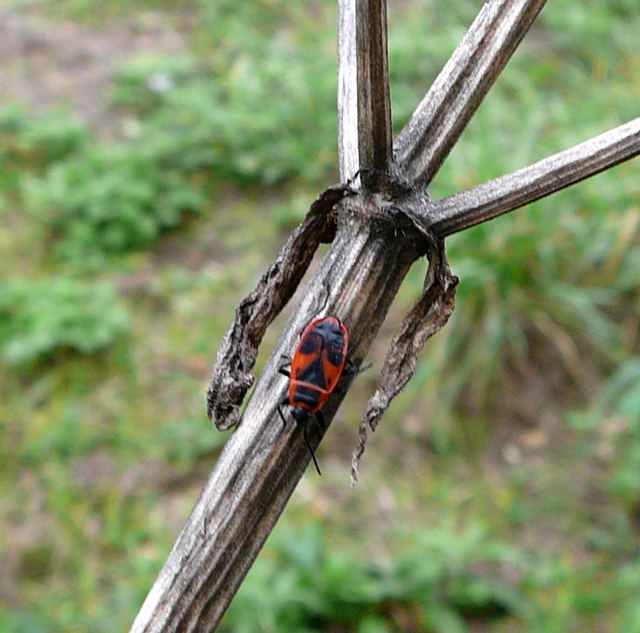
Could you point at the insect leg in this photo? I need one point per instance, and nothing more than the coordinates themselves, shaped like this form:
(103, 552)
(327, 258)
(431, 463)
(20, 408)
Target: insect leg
(282, 369)
(284, 422)
(352, 370)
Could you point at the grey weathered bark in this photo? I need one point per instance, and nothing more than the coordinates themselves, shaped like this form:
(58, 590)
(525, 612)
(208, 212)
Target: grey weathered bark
(348, 153)
(512, 191)
(455, 95)
(364, 103)
(378, 234)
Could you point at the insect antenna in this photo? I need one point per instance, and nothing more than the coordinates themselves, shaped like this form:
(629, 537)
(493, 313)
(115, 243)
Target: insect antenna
(313, 455)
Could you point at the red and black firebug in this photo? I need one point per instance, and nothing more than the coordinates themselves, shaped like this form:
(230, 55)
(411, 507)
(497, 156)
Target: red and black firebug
(316, 368)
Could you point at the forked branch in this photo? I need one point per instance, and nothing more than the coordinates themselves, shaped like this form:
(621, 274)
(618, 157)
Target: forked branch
(378, 234)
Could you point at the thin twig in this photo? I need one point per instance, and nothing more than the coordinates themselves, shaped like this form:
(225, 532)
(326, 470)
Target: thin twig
(374, 107)
(347, 91)
(438, 121)
(501, 195)
(363, 98)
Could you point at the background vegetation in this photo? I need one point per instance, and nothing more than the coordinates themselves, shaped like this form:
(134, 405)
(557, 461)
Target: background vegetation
(153, 157)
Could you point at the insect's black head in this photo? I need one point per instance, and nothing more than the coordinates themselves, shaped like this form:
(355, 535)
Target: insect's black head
(300, 415)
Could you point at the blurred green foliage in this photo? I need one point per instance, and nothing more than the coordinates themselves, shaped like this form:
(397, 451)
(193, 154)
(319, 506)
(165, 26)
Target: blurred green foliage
(109, 199)
(35, 140)
(515, 505)
(41, 317)
(431, 581)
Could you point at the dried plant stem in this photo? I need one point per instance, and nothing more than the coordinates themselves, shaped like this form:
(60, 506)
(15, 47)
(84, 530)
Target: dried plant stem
(490, 199)
(364, 103)
(260, 466)
(445, 110)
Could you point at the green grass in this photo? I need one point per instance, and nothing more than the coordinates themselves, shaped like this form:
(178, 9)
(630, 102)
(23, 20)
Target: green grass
(40, 318)
(514, 507)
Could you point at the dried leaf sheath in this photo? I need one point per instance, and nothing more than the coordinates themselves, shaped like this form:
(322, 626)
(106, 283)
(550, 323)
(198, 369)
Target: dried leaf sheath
(429, 314)
(231, 377)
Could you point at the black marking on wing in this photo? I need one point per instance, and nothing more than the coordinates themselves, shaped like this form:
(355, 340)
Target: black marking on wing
(312, 373)
(311, 344)
(334, 356)
(334, 344)
(306, 397)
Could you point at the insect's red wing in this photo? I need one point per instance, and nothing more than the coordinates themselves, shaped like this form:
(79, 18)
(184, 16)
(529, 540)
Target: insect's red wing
(307, 384)
(318, 362)
(306, 364)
